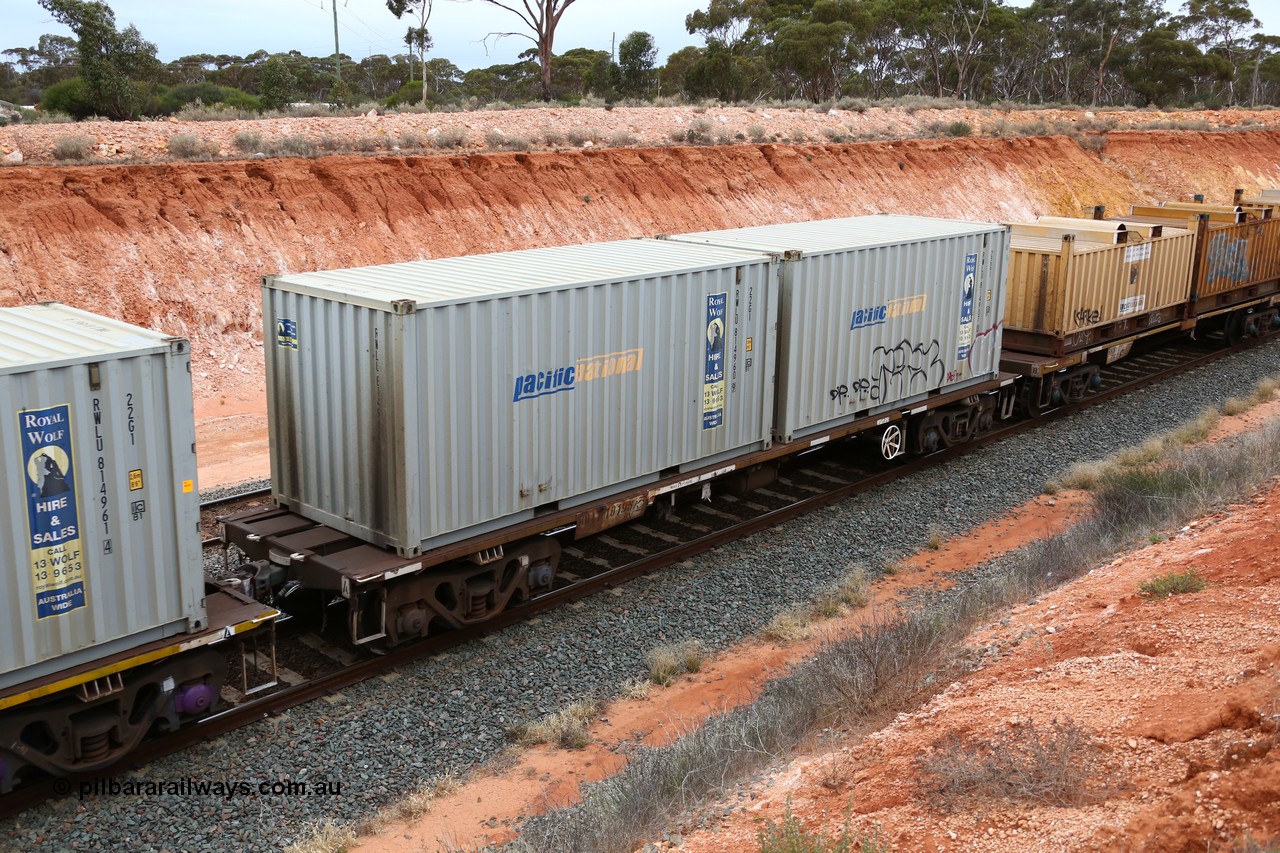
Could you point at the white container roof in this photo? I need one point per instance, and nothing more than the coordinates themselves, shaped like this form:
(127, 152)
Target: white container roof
(473, 278)
(50, 334)
(841, 235)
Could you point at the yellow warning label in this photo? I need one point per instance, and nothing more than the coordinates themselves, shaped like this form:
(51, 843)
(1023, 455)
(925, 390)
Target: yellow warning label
(135, 479)
(188, 486)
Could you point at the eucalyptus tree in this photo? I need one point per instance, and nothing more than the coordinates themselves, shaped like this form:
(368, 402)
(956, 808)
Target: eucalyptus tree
(417, 38)
(541, 18)
(115, 65)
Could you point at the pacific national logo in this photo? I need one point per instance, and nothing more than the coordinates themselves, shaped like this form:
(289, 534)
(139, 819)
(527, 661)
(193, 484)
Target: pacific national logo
(877, 315)
(545, 382)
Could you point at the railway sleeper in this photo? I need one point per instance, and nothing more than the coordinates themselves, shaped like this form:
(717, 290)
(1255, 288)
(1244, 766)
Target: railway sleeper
(96, 724)
(454, 594)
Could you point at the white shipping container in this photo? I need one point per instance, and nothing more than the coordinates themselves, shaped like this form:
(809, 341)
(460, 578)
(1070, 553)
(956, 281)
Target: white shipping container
(97, 456)
(878, 312)
(417, 404)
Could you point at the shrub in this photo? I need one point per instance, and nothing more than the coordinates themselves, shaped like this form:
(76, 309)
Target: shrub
(955, 128)
(450, 137)
(329, 142)
(791, 836)
(188, 146)
(756, 132)
(366, 143)
(1053, 766)
(935, 540)
(552, 137)
(412, 139)
(579, 138)
(295, 146)
(67, 97)
(1173, 583)
(76, 147)
(248, 142)
(622, 139)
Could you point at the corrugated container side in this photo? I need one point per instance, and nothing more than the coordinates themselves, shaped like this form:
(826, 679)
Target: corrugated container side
(874, 312)
(1059, 288)
(415, 430)
(1234, 256)
(101, 528)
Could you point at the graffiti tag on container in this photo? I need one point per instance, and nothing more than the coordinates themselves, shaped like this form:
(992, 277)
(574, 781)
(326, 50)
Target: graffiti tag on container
(897, 371)
(1227, 258)
(1087, 316)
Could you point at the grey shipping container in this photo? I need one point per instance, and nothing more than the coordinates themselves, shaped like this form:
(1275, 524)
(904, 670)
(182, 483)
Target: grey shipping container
(878, 312)
(417, 404)
(97, 455)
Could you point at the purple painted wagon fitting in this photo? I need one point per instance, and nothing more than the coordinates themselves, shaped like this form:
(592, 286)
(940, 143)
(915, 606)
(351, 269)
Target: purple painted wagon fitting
(194, 698)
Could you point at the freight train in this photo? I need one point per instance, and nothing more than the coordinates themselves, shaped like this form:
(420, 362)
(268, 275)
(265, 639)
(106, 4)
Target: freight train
(439, 427)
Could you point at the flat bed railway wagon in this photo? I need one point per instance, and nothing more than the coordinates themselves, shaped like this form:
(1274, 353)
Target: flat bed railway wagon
(1235, 274)
(110, 628)
(1081, 291)
(880, 318)
(432, 421)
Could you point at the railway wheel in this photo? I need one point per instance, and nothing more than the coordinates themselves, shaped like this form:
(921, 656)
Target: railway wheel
(1234, 329)
(893, 443)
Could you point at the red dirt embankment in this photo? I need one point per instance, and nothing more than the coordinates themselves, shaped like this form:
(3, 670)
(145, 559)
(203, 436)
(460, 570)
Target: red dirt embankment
(181, 247)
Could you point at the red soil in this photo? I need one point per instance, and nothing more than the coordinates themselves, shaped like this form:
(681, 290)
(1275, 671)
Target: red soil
(182, 247)
(1180, 693)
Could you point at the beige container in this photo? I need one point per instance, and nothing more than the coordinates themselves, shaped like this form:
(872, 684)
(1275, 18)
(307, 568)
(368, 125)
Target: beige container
(1240, 247)
(1072, 291)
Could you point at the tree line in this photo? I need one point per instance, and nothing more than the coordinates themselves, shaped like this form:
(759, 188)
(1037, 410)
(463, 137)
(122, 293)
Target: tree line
(1088, 52)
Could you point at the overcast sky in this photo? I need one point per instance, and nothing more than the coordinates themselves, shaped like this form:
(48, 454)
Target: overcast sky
(240, 27)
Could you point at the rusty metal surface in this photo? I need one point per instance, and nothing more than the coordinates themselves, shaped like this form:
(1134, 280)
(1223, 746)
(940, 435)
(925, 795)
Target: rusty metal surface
(1069, 290)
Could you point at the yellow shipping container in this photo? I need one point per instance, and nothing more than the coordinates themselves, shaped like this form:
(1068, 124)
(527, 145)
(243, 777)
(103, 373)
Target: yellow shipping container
(1077, 283)
(1239, 249)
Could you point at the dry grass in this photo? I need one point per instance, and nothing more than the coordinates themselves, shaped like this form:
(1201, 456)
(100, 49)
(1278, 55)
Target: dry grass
(636, 689)
(188, 146)
(326, 837)
(888, 663)
(570, 727)
(935, 540)
(853, 589)
(789, 626)
(669, 662)
(74, 147)
(1054, 766)
(1092, 474)
(422, 800)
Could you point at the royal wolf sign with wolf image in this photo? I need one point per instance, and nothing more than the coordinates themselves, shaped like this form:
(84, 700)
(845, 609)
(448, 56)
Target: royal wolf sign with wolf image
(713, 376)
(57, 560)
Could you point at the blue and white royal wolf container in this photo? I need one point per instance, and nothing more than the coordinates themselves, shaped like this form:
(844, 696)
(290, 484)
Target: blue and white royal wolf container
(98, 535)
(878, 312)
(417, 404)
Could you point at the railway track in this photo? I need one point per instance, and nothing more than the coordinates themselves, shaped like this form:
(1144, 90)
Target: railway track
(816, 479)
